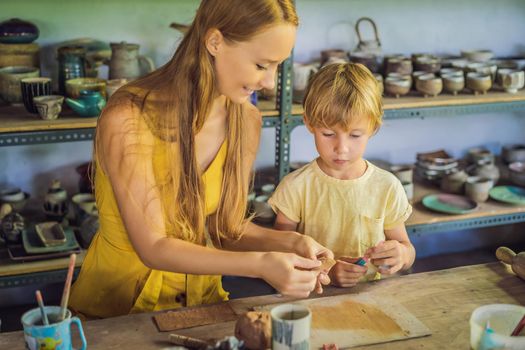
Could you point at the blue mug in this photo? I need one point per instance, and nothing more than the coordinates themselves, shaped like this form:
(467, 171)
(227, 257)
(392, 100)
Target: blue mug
(56, 335)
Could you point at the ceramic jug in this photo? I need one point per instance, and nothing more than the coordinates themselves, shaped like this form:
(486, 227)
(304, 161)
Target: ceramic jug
(126, 63)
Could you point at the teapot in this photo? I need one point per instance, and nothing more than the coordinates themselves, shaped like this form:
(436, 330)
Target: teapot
(367, 52)
(126, 63)
(89, 104)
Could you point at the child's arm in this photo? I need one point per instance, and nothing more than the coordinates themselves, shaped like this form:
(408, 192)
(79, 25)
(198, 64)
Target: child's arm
(282, 223)
(395, 254)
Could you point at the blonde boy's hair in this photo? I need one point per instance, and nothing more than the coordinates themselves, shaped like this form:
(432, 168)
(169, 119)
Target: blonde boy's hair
(340, 94)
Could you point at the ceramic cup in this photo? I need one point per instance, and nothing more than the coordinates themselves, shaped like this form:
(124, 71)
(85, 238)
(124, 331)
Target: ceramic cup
(291, 327)
(113, 85)
(477, 188)
(10, 78)
(56, 335)
(49, 107)
(267, 189)
(84, 204)
(34, 87)
(502, 319)
(409, 190)
(404, 172)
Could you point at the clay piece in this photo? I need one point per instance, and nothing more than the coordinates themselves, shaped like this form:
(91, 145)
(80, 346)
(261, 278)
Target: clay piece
(516, 261)
(255, 329)
(327, 264)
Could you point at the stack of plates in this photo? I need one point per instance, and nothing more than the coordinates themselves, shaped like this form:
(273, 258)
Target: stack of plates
(434, 166)
(32, 247)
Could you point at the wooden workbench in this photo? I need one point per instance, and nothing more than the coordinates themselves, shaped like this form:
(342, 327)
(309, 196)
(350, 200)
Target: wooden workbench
(442, 300)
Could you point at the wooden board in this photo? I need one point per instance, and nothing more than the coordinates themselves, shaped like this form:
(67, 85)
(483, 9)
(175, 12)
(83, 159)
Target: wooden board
(359, 319)
(191, 317)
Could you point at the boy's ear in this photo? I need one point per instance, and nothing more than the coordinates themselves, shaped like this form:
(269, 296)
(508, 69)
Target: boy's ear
(308, 126)
(213, 41)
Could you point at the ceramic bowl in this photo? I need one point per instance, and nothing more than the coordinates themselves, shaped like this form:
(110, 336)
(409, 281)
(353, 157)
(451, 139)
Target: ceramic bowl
(17, 203)
(513, 153)
(428, 64)
(478, 55)
(84, 204)
(429, 85)
(453, 83)
(49, 107)
(404, 172)
(10, 78)
(399, 65)
(483, 68)
(400, 76)
(74, 86)
(479, 83)
(11, 195)
(517, 173)
(451, 71)
(397, 86)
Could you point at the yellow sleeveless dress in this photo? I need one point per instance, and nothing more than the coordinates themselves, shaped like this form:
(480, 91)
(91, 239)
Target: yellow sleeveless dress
(113, 281)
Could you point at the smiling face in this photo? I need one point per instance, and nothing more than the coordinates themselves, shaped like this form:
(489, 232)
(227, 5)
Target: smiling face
(341, 151)
(248, 66)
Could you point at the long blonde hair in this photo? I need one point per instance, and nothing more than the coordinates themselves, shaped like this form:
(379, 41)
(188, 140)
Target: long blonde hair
(175, 101)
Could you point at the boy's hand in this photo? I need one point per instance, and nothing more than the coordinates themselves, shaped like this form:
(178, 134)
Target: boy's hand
(346, 273)
(388, 256)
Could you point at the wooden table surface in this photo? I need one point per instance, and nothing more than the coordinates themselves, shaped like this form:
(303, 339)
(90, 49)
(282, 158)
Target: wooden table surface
(442, 300)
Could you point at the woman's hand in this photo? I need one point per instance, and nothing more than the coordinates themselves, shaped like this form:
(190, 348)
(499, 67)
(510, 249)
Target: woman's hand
(290, 273)
(388, 256)
(309, 248)
(346, 273)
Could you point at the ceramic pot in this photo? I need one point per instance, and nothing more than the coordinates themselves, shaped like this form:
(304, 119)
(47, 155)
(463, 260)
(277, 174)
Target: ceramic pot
(429, 85)
(399, 65)
(517, 173)
(404, 172)
(513, 153)
(55, 202)
(49, 107)
(480, 156)
(17, 31)
(488, 171)
(34, 87)
(369, 60)
(15, 197)
(89, 104)
(428, 64)
(453, 83)
(302, 73)
(10, 78)
(84, 204)
(513, 81)
(477, 55)
(396, 86)
(126, 63)
(12, 225)
(479, 83)
(455, 182)
(71, 65)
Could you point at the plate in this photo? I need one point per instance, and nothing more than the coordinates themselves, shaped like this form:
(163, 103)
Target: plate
(17, 253)
(508, 194)
(33, 245)
(449, 203)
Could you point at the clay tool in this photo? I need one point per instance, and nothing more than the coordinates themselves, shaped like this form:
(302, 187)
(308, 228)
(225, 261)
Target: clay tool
(519, 327)
(67, 286)
(189, 342)
(40, 302)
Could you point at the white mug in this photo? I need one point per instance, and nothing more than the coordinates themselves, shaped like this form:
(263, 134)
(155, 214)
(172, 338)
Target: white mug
(291, 327)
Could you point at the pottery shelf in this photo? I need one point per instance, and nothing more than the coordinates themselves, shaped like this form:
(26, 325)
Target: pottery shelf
(490, 213)
(16, 274)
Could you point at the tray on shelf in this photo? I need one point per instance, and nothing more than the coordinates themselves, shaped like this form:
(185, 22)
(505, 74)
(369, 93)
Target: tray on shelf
(33, 245)
(18, 253)
(449, 203)
(508, 194)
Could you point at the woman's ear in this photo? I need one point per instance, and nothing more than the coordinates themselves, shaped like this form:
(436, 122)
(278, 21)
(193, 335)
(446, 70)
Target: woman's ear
(214, 40)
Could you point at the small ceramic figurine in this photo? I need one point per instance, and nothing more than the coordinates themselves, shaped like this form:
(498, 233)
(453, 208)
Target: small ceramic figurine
(516, 261)
(55, 202)
(12, 224)
(89, 104)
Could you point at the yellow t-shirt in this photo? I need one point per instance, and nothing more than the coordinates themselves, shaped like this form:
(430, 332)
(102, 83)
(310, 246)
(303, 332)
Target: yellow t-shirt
(346, 216)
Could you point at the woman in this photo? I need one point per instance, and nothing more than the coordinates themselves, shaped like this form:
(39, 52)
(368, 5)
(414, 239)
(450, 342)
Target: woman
(173, 154)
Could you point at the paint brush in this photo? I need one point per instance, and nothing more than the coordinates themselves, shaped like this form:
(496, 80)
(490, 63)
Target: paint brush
(40, 302)
(67, 286)
(519, 327)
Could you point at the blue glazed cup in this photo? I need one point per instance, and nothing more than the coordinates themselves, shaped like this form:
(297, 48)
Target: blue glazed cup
(56, 335)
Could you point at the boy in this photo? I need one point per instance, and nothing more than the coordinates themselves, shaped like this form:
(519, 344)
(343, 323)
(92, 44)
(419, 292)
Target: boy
(341, 200)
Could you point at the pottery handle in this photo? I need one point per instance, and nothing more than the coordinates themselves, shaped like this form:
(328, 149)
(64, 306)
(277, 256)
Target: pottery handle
(505, 254)
(146, 65)
(368, 19)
